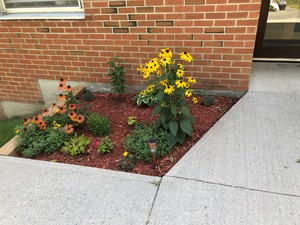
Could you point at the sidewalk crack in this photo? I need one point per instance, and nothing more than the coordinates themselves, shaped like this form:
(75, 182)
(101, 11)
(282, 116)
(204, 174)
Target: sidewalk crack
(157, 184)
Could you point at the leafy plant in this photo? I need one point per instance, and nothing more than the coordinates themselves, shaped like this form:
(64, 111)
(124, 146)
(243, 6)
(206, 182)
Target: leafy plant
(127, 163)
(76, 145)
(117, 72)
(105, 146)
(208, 100)
(298, 161)
(167, 78)
(33, 141)
(88, 96)
(137, 142)
(131, 120)
(147, 96)
(98, 124)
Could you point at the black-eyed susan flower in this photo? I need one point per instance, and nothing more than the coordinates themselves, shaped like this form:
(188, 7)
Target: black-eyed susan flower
(165, 61)
(80, 118)
(180, 84)
(42, 125)
(186, 57)
(195, 100)
(61, 97)
(164, 82)
(146, 75)
(180, 73)
(26, 122)
(68, 88)
(68, 128)
(37, 119)
(165, 53)
(192, 80)
(62, 109)
(180, 66)
(188, 93)
(169, 89)
(72, 115)
(150, 88)
(187, 85)
(72, 106)
(61, 86)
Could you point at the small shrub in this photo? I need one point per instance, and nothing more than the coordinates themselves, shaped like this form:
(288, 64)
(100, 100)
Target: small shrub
(33, 141)
(88, 96)
(208, 100)
(98, 124)
(105, 146)
(127, 163)
(117, 76)
(147, 96)
(76, 145)
(137, 142)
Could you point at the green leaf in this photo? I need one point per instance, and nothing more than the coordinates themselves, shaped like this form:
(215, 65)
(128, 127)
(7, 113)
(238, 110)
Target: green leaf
(156, 110)
(173, 126)
(186, 127)
(160, 96)
(139, 101)
(172, 140)
(185, 110)
(181, 136)
(173, 110)
(163, 117)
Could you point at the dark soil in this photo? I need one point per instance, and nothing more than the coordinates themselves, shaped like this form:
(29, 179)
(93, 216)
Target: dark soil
(119, 108)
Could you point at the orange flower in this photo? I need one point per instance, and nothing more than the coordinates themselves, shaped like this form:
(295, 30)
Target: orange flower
(37, 119)
(72, 106)
(72, 115)
(62, 109)
(53, 105)
(80, 118)
(61, 86)
(61, 97)
(63, 81)
(68, 88)
(68, 128)
(42, 125)
(26, 122)
(45, 111)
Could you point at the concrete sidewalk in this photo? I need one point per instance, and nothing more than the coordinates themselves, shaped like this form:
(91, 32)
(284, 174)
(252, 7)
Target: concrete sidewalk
(243, 171)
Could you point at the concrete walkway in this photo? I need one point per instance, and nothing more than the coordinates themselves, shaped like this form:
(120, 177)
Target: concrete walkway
(243, 171)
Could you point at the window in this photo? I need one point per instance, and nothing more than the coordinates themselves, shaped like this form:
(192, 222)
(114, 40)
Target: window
(40, 5)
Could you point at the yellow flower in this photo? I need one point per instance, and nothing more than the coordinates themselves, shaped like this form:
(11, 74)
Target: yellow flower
(192, 80)
(125, 153)
(146, 75)
(165, 53)
(187, 85)
(158, 73)
(195, 100)
(143, 92)
(164, 83)
(180, 84)
(169, 89)
(150, 88)
(180, 66)
(180, 73)
(188, 93)
(17, 131)
(186, 57)
(165, 61)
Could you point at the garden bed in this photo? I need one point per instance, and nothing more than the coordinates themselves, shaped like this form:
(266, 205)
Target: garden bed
(119, 108)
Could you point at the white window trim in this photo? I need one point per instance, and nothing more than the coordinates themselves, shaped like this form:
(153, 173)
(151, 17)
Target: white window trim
(42, 13)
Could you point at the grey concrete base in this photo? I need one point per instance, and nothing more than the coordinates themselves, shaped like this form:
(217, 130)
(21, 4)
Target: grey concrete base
(188, 202)
(35, 192)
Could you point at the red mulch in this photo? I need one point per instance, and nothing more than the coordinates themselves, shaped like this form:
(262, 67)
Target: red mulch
(119, 108)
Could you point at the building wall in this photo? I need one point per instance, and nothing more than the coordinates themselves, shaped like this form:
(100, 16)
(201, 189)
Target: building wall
(220, 35)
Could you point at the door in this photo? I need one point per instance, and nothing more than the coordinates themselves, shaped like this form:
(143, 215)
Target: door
(278, 34)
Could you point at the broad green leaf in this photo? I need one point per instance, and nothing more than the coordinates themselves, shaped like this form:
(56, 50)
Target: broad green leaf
(181, 136)
(172, 140)
(173, 126)
(185, 110)
(156, 110)
(160, 96)
(173, 110)
(186, 127)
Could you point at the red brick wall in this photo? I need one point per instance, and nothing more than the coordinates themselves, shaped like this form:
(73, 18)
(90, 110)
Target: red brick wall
(219, 34)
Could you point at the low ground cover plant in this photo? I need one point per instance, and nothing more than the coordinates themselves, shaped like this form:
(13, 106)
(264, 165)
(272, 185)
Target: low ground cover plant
(99, 125)
(75, 145)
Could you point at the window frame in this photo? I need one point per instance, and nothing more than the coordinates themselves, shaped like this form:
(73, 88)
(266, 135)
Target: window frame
(78, 8)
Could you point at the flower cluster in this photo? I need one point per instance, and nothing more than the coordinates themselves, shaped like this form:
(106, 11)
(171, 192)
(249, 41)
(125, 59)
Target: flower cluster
(169, 76)
(66, 113)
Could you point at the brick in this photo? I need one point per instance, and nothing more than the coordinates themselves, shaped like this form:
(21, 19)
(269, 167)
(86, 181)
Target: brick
(214, 30)
(109, 10)
(117, 3)
(121, 30)
(164, 23)
(128, 24)
(145, 9)
(194, 2)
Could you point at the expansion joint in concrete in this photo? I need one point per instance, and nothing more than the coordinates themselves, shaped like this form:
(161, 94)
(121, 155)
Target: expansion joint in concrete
(154, 199)
(234, 186)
